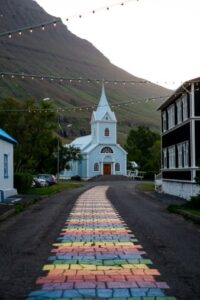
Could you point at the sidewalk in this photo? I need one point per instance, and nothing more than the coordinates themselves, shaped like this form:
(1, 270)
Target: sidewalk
(7, 208)
(97, 257)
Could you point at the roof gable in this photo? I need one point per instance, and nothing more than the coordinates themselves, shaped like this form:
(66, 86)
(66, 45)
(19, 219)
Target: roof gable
(6, 137)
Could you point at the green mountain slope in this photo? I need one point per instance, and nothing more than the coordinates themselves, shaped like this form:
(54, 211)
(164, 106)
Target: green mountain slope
(58, 52)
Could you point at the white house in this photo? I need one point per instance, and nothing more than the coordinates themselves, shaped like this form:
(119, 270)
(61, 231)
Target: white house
(6, 166)
(101, 155)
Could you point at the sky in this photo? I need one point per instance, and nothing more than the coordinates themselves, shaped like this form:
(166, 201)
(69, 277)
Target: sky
(157, 40)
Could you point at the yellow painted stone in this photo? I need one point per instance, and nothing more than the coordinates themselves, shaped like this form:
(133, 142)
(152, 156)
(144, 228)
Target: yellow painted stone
(134, 266)
(89, 267)
(48, 267)
(105, 268)
(75, 267)
(62, 267)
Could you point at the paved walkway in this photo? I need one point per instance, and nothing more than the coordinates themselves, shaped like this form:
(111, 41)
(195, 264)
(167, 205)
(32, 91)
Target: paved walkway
(97, 257)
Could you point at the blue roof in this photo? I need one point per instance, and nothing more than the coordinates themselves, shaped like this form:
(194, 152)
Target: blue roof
(82, 141)
(5, 136)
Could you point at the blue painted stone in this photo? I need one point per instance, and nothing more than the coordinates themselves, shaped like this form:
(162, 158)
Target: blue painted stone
(71, 294)
(104, 293)
(139, 292)
(87, 292)
(121, 293)
(47, 294)
(155, 292)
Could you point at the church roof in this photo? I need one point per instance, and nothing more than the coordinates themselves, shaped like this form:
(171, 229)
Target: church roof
(5, 136)
(103, 108)
(82, 142)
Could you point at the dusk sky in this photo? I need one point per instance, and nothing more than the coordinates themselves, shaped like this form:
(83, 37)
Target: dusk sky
(156, 40)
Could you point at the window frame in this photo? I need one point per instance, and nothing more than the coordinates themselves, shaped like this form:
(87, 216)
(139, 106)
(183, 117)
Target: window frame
(106, 132)
(106, 148)
(172, 157)
(117, 167)
(96, 167)
(5, 164)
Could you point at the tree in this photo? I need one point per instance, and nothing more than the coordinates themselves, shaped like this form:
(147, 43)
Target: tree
(33, 126)
(67, 154)
(142, 147)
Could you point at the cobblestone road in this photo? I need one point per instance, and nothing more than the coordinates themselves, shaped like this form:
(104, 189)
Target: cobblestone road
(97, 257)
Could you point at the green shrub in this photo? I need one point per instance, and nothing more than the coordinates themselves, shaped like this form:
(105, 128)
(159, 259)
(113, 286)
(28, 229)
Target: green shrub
(22, 181)
(76, 177)
(193, 203)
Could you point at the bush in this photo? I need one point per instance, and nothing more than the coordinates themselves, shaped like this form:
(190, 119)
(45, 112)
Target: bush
(194, 203)
(22, 181)
(76, 177)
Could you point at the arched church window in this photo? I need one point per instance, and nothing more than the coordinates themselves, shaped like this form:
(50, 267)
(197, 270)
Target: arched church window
(117, 167)
(106, 132)
(106, 150)
(96, 167)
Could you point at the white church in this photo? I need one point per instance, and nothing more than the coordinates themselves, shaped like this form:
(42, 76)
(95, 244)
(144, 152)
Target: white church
(101, 155)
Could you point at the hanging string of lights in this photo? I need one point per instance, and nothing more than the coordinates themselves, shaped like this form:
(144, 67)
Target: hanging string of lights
(60, 79)
(54, 22)
(31, 29)
(63, 79)
(82, 108)
(104, 8)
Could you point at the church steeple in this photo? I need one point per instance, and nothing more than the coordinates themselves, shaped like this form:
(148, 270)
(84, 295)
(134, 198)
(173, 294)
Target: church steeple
(103, 122)
(103, 108)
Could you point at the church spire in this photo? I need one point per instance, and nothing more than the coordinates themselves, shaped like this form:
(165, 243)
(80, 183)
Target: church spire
(104, 107)
(103, 99)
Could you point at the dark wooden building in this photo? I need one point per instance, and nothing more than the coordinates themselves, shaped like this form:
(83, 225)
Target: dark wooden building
(180, 115)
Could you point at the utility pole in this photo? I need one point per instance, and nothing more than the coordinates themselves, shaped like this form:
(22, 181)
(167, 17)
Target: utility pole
(58, 160)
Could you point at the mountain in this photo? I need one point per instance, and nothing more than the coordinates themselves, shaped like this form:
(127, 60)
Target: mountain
(58, 52)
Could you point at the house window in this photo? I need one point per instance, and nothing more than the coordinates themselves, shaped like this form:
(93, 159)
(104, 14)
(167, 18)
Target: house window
(106, 132)
(106, 150)
(180, 155)
(165, 158)
(172, 157)
(171, 116)
(179, 111)
(96, 167)
(186, 154)
(117, 167)
(164, 120)
(185, 107)
(5, 165)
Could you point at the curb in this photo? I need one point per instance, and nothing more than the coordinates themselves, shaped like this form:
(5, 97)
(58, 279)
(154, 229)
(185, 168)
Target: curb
(188, 215)
(7, 214)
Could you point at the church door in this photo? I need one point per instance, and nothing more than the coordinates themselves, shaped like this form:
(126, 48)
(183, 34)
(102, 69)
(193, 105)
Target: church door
(107, 169)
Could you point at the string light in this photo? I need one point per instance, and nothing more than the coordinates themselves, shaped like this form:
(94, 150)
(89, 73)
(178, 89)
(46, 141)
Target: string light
(54, 22)
(30, 28)
(82, 108)
(71, 80)
(52, 78)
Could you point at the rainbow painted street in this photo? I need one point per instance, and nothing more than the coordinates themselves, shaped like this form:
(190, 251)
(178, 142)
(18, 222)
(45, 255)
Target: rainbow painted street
(97, 257)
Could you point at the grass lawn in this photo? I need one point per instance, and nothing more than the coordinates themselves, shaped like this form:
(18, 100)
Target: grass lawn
(53, 189)
(145, 186)
(36, 193)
